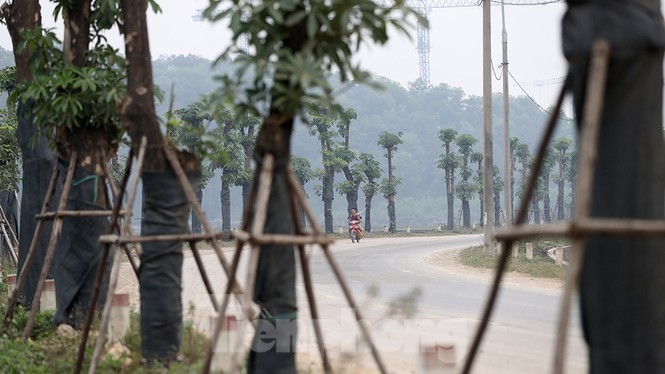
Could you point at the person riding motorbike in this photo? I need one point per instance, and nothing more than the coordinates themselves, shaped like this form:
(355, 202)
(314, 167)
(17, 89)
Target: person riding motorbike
(354, 224)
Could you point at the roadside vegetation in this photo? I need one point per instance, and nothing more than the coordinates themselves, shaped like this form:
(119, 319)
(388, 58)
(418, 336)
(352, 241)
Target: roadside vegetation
(541, 266)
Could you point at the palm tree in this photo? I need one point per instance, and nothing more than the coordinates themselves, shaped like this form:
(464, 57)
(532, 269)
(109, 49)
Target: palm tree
(449, 162)
(477, 157)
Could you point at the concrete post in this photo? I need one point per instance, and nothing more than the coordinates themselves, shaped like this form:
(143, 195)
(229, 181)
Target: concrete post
(11, 284)
(47, 300)
(119, 318)
(559, 255)
(439, 228)
(529, 251)
(499, 248)
(408, 229)
(385, 228)
(516, 247)
(222, 357)
(437, 359)
(340, 230)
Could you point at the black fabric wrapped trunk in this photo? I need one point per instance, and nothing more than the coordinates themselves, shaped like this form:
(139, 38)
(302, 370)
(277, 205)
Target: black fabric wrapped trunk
(165, 212)
(274, 346)
(38, 164)
(78, 252)
(622, 284)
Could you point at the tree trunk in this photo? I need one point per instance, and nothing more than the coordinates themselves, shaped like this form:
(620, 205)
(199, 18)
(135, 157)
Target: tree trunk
(368, 212)
(450, 197)
(351, 197)
(328, 197)
(482, 209)
(466, 214)
(225, 198)
(546, 200)
(38, 159)
(560, 207)
(196, 222)
(622, 282)
(165, 209)
(391, 214)
(497, 208)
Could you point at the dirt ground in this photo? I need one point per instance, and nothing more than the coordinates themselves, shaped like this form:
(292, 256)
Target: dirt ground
(449, 261)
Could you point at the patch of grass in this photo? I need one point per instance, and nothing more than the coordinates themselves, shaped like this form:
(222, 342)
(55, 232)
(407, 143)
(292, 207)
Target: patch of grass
(540, 267)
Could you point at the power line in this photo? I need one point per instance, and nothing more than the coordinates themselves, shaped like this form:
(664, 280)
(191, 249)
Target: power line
(534, 100)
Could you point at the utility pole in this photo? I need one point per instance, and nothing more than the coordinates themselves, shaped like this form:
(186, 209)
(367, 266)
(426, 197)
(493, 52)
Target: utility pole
(507, 177)
(488, 237)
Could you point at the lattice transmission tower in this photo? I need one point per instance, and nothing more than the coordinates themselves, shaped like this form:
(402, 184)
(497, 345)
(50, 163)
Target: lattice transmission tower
(424, 7)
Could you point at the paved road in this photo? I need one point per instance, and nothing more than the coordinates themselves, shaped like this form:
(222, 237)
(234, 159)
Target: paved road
(520, 338)
(521, 335)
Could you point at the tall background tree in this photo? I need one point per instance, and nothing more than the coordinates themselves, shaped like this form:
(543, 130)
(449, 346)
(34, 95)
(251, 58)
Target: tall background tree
(449, 162)
(389, 142)
(372, 170)
(560, 147)
(466, 187)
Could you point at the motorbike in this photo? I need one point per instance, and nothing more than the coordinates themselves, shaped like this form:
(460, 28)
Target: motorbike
(355, 231)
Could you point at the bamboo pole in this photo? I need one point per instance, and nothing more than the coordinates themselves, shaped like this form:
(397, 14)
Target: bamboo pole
(522, 214)
(32, 252)
(247, 213)
(11, 230)
(260, 217)
(307, 280)
(282, 238)
(50, 251)
(117, 199)
(187, 188)
(338, 274)
(115, 270)
(12, 251)
(76, 213)
(593, 107)
(204, 274)
(116, 239)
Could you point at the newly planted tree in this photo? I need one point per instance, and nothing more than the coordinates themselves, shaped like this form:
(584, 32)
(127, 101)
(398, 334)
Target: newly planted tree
(389, 142)
(293, 46)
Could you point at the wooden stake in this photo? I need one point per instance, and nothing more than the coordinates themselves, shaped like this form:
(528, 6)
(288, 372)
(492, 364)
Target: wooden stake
(593, 107)
(50, 251)
(32, 252)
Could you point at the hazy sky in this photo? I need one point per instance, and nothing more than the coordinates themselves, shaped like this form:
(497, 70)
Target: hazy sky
(534, 49)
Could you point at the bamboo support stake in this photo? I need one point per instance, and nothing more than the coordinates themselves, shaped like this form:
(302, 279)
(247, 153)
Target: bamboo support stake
(116, 239)
(232, 275)
(204, 274)
(11, 231)
(32, 252)
(50, 251)
(309, 284)
(75, 213)
(12, 252)
(187, 188)
(115, 270)
(593, 107)
(340, 278)
(117, 199)
(522, 215)
(282, 238)
(260, 217)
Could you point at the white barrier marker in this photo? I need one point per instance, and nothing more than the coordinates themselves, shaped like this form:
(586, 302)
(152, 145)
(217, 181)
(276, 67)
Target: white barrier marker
(47, 299)
(119, 323)
(221, 359)
(437, 359)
